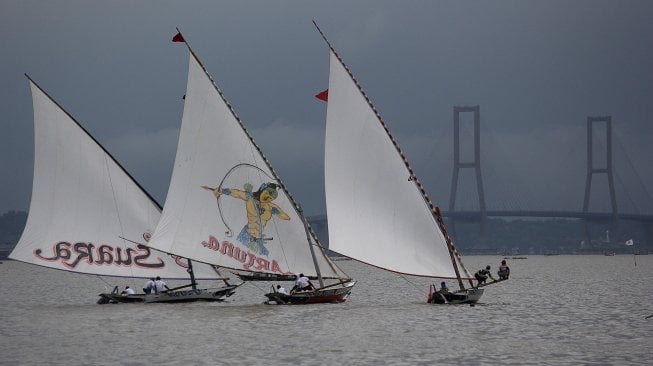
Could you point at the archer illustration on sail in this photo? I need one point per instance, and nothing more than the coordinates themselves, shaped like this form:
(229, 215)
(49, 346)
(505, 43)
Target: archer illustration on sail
(213, 142)
(259, 208)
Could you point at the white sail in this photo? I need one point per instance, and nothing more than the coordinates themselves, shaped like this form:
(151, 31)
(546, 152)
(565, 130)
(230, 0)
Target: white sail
(225, 206)
(377, 213)
(83, 202)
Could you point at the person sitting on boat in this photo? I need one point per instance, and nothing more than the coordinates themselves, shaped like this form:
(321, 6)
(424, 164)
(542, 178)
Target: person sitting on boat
(438, 296)
(282, 290)
(482, 275)
(149, 286)
(504, 271)
(443, 287)
(302, 283)
(128, 291)
(160, 285)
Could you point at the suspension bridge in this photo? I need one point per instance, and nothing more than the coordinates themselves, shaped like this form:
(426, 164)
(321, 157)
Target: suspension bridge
(602, 208)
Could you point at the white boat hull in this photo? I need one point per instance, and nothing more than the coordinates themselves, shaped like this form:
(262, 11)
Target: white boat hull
(216, 294)
(192, 295)
(468, 296)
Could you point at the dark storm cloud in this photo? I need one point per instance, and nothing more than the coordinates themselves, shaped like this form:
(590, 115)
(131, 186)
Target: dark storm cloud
(536, 68)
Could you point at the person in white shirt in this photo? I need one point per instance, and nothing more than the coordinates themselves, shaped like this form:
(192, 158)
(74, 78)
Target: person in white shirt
(282, 290)
(159, 285)
(127, 291)
(149, 286)
(302, 283)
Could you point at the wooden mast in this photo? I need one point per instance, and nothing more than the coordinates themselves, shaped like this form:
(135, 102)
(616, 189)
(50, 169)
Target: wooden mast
(193, 283)
(310, 246)
(438, 215)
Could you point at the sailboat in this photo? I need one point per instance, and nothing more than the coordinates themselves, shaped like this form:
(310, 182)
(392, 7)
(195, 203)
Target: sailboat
(378, 212)
(226, 206)
(83, 202)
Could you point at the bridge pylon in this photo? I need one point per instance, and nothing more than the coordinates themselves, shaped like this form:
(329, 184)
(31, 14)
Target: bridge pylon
(473, 164)
(607, 169)
(593, 168)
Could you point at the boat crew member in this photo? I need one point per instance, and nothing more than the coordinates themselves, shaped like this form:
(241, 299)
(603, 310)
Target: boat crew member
(302, 283)
(504, 271)
(159, 285)
(127, 291)
(482, 275)
(438, 296)
(149, 286)
(282, 290)
(443, 287)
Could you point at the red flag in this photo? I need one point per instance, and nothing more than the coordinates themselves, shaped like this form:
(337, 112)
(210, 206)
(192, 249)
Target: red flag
(178, 37)
(323, 95)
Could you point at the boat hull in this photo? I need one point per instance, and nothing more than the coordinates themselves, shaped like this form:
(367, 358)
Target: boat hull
(110, 298)
(217, 294)
(468, 296)
(320, 296)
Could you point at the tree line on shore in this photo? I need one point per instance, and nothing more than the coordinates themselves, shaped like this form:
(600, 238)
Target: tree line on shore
(494, 236)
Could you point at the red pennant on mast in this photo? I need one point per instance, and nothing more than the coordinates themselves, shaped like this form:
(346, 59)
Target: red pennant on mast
(178, 37)
(323, 95)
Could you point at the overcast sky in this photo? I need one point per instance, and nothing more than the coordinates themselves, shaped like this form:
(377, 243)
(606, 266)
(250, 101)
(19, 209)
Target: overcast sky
(537, 69)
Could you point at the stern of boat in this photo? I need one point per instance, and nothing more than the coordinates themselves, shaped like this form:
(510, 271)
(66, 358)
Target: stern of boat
(473, 295)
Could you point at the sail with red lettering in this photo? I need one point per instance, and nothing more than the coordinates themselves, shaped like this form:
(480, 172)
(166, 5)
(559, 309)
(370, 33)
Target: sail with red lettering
(84, 203)
(226, 205)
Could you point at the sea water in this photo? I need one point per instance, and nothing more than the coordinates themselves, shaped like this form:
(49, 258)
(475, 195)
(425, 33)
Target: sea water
(554, 310)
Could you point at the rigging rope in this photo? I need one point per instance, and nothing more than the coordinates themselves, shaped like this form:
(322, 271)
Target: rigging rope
(105, 282)
(414, 285)
(252, 283)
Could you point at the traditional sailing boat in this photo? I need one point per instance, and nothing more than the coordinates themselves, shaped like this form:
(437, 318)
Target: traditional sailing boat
(83, 202)
(226, 206)
(378, 211)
